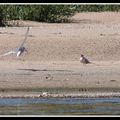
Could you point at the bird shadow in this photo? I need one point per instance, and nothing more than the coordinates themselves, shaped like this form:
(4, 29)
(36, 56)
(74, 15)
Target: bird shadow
(35, 70)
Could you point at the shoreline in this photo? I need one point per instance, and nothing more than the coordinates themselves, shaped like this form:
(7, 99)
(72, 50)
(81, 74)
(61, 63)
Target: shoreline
(56, 80)
(81, 95)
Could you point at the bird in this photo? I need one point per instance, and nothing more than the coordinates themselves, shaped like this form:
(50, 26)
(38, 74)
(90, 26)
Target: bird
(84, 60)
(20, 49)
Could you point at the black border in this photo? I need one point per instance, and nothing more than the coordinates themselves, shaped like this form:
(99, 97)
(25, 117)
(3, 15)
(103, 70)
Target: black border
(59, 1)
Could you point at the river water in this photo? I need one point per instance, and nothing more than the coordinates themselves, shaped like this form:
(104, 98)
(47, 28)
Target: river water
(60, 106)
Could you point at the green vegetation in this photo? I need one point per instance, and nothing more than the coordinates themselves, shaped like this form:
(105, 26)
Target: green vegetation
(48, 13)
(97, 8)
(42, 13)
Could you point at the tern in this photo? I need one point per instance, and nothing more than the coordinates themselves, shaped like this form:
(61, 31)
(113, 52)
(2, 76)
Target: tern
(19, 50)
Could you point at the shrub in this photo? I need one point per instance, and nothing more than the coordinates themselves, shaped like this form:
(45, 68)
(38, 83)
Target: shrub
(2, 16)
(48, 13)
(44, 13)
(97, 8)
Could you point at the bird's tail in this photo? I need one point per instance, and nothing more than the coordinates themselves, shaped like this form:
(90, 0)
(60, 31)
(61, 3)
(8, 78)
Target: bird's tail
(94, 63)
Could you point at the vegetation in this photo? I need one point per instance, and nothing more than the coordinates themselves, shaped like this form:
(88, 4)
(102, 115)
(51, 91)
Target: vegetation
(97, 8)
(44, 13)
(48, 13)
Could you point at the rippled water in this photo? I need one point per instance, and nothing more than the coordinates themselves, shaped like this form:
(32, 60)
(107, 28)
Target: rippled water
(60, 106)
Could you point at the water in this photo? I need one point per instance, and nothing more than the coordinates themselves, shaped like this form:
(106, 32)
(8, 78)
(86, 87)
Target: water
(60, 106)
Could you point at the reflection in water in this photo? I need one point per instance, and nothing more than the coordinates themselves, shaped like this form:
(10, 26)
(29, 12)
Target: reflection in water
(60, 106)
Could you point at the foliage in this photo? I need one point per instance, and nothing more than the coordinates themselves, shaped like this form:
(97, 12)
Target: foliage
(48, 13)
(97, 8)
(44, 13)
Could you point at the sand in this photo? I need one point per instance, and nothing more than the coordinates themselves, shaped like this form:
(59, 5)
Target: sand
(52, 63)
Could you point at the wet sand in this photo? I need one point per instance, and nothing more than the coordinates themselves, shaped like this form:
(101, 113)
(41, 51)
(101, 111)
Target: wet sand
(52, 63)
(59, 79)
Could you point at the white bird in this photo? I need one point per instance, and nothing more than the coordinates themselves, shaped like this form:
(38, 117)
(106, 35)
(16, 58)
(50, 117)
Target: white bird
(84, 60)
(19, 50)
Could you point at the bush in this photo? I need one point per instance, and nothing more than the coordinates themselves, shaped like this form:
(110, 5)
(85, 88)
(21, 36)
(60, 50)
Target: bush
(2, 16)
(48, 13)
(97, 8)
(43, 13)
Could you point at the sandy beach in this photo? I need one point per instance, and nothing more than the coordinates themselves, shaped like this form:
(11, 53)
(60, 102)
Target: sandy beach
(52, 63)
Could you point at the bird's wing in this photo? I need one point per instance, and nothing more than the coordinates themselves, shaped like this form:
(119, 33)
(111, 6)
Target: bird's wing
(8, 53)
(15, 51)
(87, 61)
(26, 35)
